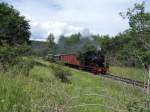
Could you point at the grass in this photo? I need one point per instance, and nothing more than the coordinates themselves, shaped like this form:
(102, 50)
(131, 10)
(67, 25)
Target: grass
(41, 91)
(132, 73)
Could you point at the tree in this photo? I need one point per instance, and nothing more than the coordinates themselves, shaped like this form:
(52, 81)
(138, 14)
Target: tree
(14, 29)
(139, 22)
(104, 41)
(14, 34)
(73, 39)
(51, 43)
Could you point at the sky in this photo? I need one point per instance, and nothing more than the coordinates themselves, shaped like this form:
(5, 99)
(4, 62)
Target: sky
(73, 16)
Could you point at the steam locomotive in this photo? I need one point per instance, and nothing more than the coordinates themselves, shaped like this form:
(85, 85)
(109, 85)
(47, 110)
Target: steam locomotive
(91, 61)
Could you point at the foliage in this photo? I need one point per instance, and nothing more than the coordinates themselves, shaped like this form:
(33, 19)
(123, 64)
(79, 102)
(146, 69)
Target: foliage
(131, 47)
(62, 73)
(14, 35)
(18, 66)
(138, 106)
(73, 39)
(104, 41)
(51, 43)
(8, 55)
(38, 48)
(139, 22)
(23, 66)
(14, 29)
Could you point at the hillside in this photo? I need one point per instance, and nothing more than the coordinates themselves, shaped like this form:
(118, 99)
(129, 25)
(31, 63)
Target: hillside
(39, 48)
(41, 91)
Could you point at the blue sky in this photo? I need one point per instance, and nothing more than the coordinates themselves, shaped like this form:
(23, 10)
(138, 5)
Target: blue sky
(72, 16)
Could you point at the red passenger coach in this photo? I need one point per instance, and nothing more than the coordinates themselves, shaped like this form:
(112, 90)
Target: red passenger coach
(70, 59)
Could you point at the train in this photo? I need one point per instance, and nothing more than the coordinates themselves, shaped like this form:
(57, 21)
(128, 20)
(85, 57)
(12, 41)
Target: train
(90, 61)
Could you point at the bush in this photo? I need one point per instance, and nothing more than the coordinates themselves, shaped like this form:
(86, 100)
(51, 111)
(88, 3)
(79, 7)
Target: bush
(60, 62)
(23, 66)
(139, 106)
(9, 55)
(61, 73)
(20, 66)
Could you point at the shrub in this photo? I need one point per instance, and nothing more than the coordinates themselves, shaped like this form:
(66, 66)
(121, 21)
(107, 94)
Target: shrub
(9, 55)
(19, 67)
(61, 73)
(23, 66)
(139, 106)
(60, 62)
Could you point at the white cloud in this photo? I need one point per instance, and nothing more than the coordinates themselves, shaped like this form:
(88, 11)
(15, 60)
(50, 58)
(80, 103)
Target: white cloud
(42, 29)
(71, 16)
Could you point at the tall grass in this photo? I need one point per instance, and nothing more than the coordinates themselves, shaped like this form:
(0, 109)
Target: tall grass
(61, 73)
(19, 66)
(42, 91)
(13, 97)
(132, 73)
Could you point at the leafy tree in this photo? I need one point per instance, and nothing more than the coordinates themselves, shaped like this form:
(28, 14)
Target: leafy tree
(51, 43)
(14, 34)
(104, 41)
(73, 39)
(139, 22)
(14, 29)
(130, 47)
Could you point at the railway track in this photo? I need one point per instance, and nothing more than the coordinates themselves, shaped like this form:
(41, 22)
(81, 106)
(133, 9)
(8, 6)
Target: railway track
(122, 79)
(126, 80)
